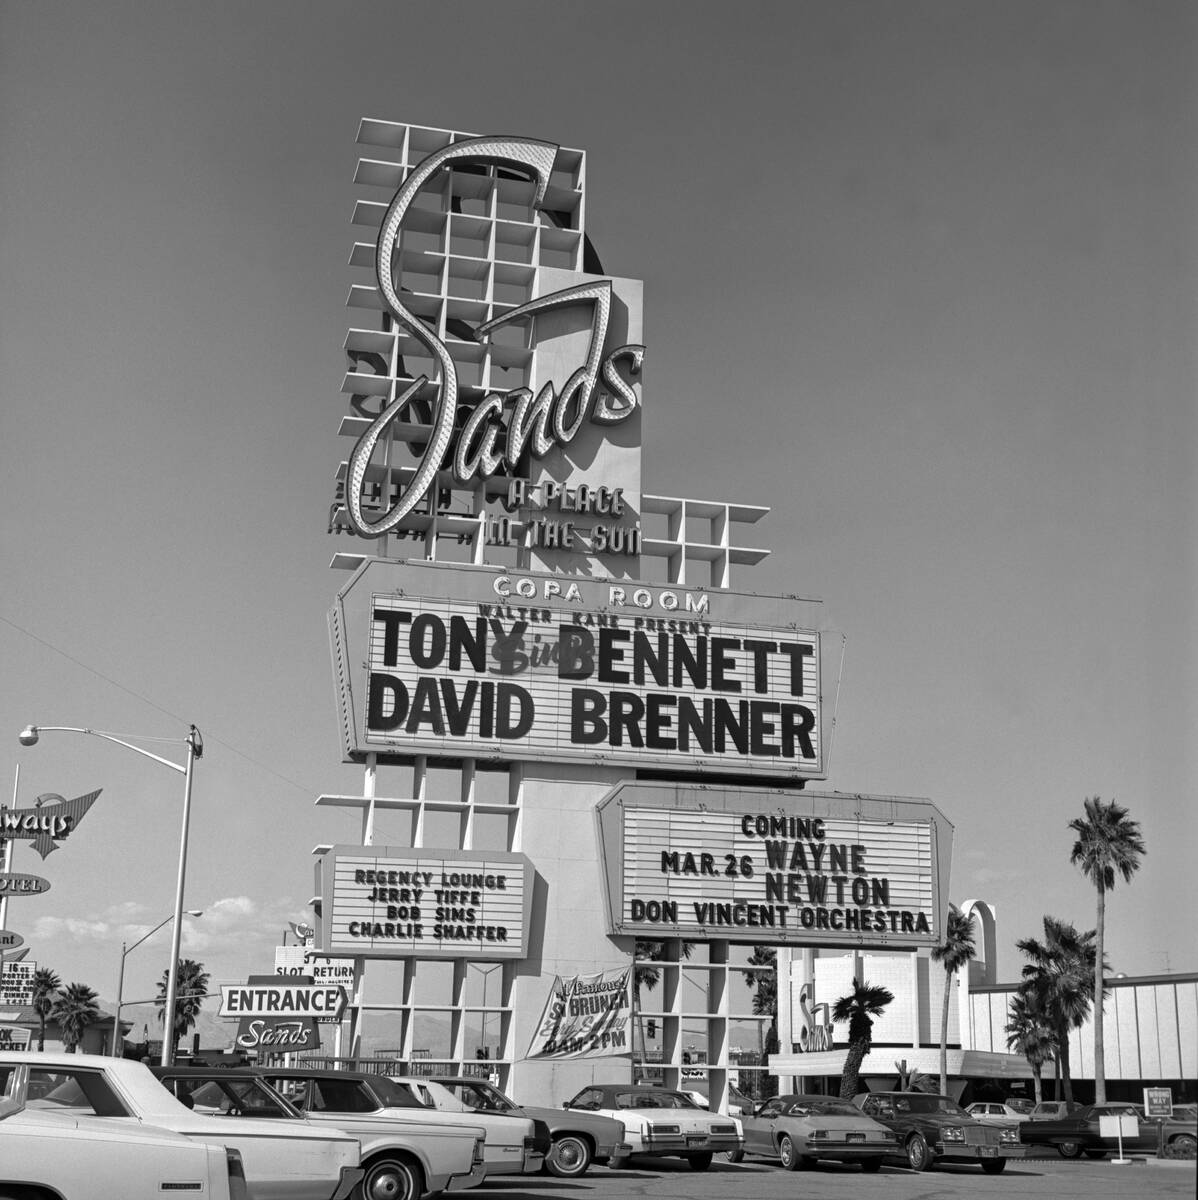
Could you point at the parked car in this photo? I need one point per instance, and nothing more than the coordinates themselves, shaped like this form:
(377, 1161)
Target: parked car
(1080, 1132)
(934, 1129)
(400, 1160)
(800, 1130)
(662, 1122)
(515, 1146)
(330, 1094)
(282, 1160)
(577, 1139)
(1020, 1105)
(49, 1153)
(739, 1104)
(994, 1113)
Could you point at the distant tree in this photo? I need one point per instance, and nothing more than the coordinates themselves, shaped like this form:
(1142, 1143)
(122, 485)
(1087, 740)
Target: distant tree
(45, 991)
(859, 1008)
(1060, 975)
(954, 953)
(1108, 843)
(75, 1009)
(762, 977)
(1029, 1032)
(191, 986)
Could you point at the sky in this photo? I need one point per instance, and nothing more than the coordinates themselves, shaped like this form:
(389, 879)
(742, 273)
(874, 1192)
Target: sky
(919, 277)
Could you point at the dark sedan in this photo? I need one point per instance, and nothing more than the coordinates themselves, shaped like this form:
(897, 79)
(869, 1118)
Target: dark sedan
(1081, 1132)
(934, 1129)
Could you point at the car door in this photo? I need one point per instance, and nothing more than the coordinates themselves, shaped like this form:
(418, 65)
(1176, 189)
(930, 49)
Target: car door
(759, 1128)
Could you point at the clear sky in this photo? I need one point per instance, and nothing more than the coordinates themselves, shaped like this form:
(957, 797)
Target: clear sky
(918, 276)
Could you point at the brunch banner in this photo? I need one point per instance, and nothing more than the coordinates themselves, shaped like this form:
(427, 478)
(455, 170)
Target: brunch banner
(586, 1016)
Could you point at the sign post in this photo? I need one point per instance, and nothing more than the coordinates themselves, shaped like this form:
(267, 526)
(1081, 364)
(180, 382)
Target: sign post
(1158, 1107)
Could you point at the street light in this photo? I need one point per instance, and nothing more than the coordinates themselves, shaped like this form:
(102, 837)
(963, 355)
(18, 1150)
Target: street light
(195, 749)
(117, 1040)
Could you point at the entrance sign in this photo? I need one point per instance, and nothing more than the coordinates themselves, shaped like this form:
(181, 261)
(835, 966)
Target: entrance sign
(280, 1017)
(586, 1016)
(453, 659)
(388, 902)
(757, 865)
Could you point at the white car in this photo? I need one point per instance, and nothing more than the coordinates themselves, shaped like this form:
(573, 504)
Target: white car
(996, 1114)
(282, 1160)
(511, 1147)
(56, 1153)
(662, 1122)
(401, 1159)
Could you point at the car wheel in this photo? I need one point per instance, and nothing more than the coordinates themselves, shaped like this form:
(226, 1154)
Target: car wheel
(391, 1179)
(919, 1157)
(1069, 1149)
(871, 1166)
(700, 1162)
(787, 1153)
(1184, 1145)
(735, 1156)
(568, 1157)
(994, 1166)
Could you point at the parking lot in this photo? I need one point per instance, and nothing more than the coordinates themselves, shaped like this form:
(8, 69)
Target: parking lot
(1047, 1177)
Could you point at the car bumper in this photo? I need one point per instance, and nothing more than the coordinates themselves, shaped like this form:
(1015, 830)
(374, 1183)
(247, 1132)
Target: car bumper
(458, 1183)
(604, 1154)
(350, 1178)
(675, 1143)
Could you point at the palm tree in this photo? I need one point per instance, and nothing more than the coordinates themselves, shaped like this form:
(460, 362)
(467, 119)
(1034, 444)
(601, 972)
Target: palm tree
(1030, 1034)
(45, 991)
(75, 1008)
(1108, 841)
(763, 978)
(1060, 976)
(957, 950)
(191, 986)
(859, 1008)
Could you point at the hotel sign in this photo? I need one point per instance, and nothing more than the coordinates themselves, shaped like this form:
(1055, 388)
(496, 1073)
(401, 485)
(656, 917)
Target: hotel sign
(51, 820)
(755, 865)
(455, 660)
(388, 902)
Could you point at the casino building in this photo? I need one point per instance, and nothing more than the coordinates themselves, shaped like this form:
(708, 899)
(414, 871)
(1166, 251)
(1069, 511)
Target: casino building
(590, 758)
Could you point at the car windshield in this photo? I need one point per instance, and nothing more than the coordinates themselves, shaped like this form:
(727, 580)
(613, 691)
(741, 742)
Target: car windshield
(391, 1095)
(823, 1108)
(654, 1099)
(483, 1097)
(913, 1102)
(223, 1096)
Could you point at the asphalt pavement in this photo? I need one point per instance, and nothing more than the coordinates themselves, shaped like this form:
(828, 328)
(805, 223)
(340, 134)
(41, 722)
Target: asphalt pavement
(671, 1179)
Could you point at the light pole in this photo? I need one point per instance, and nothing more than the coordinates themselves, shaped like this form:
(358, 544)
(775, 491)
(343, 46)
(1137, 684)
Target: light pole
(117, 1040)
(195, 749)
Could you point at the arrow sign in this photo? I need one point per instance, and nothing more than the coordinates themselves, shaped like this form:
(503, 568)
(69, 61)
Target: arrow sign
(21, 885)
(51, 817)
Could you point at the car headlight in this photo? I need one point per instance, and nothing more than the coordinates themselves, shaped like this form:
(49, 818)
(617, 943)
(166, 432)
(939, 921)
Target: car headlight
(1009, 1135)
(953, 1133)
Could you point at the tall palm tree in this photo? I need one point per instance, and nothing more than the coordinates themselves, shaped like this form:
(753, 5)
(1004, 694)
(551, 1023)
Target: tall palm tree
(45, 991)
(1030, 1034)
(859, 1008)
(191, 986)
(763, 978)
(75, 1008)
(1108, 843)
(955, 952)
(1060, 975)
